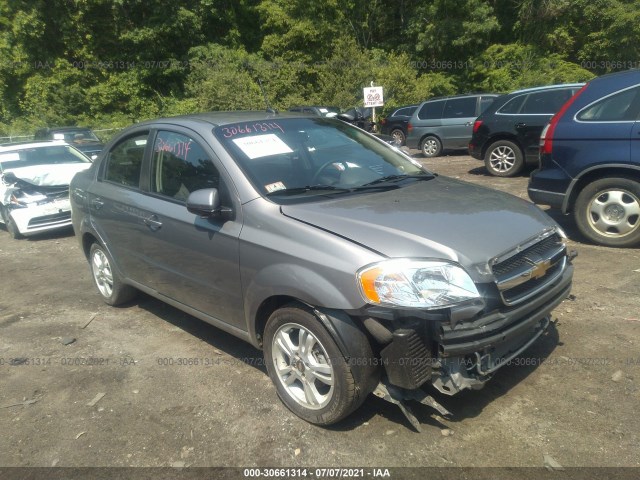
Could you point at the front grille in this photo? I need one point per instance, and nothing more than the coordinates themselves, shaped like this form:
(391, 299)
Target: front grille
(525, 273)
(49, 219)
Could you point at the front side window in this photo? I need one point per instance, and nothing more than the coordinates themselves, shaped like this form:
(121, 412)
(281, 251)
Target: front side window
(619, 107)
(180, 166)
(460, 107)
(431, 110)
(124, 161)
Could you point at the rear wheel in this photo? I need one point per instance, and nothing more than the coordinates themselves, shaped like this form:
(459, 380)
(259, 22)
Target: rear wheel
(431, 146)
(504, 159)
(398, 137)
(113, 290)
(311, 375)
(607, 212)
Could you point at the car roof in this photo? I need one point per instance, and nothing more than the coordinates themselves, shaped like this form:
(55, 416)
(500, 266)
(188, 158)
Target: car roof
(225, 118)
(547, 87)
(11, 147)
(63, 129)
(449, 97)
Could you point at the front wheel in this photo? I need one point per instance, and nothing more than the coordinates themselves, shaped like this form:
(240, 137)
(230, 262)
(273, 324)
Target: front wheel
(10, 224)
(113, 290)
(607, 212)
(310, 374)
(504, 159)
(431, 146)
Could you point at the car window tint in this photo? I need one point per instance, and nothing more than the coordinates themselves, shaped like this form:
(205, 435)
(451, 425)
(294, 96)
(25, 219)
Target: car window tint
(407, 112)
(431, 110)
(124, 161)
(513, 105)
(460, 107)
(548, 102)
(617, 107)
(485, 102)
(180, 166)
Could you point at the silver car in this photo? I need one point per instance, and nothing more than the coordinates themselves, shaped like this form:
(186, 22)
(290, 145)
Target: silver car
(353, 268)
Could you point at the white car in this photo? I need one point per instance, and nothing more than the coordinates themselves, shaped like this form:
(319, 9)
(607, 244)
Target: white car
(34, 185)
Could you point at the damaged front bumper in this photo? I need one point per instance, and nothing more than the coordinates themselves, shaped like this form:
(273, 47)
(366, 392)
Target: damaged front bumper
(458, 349)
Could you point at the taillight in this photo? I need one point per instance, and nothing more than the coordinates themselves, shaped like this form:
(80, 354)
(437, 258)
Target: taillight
(409, 127)
(476, 125)
(546, 138)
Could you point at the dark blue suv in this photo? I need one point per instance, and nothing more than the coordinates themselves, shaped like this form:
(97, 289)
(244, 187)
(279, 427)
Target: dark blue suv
(590, 160)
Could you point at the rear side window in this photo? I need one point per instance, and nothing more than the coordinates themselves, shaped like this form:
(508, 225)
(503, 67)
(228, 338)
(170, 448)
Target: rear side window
(407, 112)
(124, 161)
(180, 166)
(513, 105)
(461, 107)
(485, 102)
(548, 102)
(619, 107)
(431, 110)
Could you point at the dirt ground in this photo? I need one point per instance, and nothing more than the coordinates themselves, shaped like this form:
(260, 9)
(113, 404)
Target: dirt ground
(126, 392)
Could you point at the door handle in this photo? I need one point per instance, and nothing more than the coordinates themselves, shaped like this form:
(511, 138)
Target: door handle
(153, 223)
(520, 125)
(468, 124)
(97, 203)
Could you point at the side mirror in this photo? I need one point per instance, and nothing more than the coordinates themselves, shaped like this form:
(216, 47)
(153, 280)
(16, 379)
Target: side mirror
(206, 203)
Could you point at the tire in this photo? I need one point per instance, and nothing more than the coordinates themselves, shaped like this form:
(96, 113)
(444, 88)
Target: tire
(431, 146)
(10, 225)
(110, 286)
(332, 392)
(504, 159)
(607, 212)
(399, 137)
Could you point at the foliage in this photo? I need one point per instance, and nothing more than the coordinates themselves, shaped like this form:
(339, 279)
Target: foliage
(113, 62)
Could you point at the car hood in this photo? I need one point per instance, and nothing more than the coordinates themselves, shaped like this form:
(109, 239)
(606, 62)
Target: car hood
(49, 175)
(437, 218)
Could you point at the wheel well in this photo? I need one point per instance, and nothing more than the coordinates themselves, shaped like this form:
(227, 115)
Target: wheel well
(498, 138)
(87, 241)
(266, 308)
(592, 176)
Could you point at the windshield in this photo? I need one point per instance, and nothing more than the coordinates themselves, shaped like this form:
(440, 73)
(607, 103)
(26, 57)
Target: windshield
(50, 155)
(76, 136)
(312, 156)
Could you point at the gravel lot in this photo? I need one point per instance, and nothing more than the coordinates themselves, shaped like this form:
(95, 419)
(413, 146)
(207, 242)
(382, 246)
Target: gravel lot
(119, 395)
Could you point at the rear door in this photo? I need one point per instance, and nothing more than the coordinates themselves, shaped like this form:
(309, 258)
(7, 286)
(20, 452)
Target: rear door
(116, 204)
(457, 121)
(535, 113)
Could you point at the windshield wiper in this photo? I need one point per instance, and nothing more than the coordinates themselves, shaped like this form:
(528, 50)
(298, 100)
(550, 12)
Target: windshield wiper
(397, 178)
(308, 188)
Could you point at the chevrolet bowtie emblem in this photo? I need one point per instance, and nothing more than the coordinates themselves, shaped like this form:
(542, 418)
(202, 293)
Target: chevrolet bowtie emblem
(540, 269)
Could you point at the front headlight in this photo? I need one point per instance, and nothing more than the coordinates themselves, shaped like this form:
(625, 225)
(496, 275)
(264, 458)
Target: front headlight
(429, 284)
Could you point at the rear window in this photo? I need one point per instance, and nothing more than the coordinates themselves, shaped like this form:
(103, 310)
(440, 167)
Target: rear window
(548, 102)
(431, 110)
(406, 112)
(619, 107)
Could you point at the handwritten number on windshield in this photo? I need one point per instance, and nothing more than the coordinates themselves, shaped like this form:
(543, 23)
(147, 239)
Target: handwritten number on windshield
(243, 129)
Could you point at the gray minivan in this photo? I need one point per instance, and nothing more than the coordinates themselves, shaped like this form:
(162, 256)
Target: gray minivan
(446, 123)
(352, 267)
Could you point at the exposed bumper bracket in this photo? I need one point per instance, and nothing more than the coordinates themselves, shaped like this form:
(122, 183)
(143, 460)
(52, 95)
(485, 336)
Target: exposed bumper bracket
(399, 396)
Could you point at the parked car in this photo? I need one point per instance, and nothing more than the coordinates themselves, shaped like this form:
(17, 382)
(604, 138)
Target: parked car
(590, 160)
(34, 185)
(507, 133)
(351, 266)
(396, 123)
(445, 123)
(316, 110)
(82, 138)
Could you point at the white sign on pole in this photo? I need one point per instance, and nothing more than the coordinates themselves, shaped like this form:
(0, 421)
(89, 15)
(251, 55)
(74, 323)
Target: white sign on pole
(373, 97)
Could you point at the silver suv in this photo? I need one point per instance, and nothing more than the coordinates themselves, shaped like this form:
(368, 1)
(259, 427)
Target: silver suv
(446, 123)
(352, 267)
